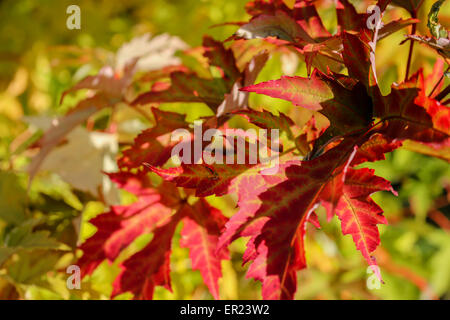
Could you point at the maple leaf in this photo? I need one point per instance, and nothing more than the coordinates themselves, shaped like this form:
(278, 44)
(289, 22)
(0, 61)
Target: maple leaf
(357, 57)
(268, 121)
(348, 195)
(221, 57)
(229, 177)
(117, 228)
(275, 219)
(374, 148)
(189, 87)
(236, 99)
(299, 26)
(149, 267)
(217, 179)
(347, 16)
(350, 20)
(146, 147)
(200, 234)
(408, 113)
(347, 109)
(280, 25)
(152, 213)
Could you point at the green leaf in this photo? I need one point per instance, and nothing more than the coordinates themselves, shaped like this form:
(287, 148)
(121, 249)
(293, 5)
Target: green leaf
(12, 198)
(436, 29)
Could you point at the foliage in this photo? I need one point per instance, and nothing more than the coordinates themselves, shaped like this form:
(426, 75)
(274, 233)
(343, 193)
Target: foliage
(337, 122)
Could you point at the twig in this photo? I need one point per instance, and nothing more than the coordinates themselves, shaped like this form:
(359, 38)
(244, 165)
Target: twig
(437, 84)
(411, 46)
(443, 93)
(440, 219)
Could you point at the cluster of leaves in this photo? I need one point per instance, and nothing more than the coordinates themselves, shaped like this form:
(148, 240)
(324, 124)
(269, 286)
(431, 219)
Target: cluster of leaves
(353, 124)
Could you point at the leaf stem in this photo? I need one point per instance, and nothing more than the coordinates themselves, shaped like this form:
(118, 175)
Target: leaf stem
(411, 45)
(443, 93)
(437, 84)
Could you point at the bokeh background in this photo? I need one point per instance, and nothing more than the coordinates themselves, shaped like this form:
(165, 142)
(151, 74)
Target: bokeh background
(42, 223)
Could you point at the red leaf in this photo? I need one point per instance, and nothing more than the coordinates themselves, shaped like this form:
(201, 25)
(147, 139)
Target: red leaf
(279, 25)
(223, 58)
(146, 147)
(222, 178)
(395, 26)
(375, 148)
(347, 16)
(207, 180)
(300, 26)
(123, 224)
(357, 57)
(307, 17)
(236, 99)
(149, 267)
(359, 214)
(268, 121)
(347, 109)
(258, 7)
(276, 220)
(189, 87)
(201, 234)
(409, 114)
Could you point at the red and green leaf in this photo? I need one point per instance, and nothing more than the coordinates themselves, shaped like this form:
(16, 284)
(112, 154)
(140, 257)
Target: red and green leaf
(347, 109)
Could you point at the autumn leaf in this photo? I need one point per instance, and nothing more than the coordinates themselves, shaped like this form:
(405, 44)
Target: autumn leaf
(200, 233)
(269, 121)
(347, 109)
(189, 87)
(117, 228)
(146, 147)
(236, 99)
(408, 113)
(275, 219)
(348, 196)
(274, 203)
(149, 267)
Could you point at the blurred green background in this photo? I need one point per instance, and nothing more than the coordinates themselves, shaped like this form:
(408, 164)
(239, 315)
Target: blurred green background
(41, 227)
